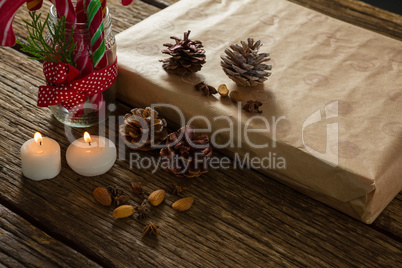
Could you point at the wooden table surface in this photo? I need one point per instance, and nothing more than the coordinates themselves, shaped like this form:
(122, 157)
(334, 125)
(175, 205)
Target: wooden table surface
(239, 218)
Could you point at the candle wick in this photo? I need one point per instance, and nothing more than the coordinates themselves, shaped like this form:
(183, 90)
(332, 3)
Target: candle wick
(40, 143)
(89, 143)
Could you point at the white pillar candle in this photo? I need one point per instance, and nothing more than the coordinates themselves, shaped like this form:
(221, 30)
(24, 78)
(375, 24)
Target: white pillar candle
(40, 158)
(91, 155)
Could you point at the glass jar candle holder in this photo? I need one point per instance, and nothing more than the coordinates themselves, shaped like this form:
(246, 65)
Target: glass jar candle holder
(95, 110)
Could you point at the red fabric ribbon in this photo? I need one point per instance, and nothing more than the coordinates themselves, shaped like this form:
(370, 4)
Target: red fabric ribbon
(65, 88)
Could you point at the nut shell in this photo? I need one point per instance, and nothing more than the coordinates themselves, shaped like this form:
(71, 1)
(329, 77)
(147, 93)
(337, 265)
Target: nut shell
(123, 211)
(156, 197)
(183, 204)
(102, 195)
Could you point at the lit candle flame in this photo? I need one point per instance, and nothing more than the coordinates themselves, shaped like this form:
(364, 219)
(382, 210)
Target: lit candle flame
(87, 138)
(38, 138)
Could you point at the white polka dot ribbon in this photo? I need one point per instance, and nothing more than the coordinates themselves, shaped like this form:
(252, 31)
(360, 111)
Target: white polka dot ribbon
(64, 87)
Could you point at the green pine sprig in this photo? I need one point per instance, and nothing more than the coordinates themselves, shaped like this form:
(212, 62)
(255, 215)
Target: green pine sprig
(62, 43)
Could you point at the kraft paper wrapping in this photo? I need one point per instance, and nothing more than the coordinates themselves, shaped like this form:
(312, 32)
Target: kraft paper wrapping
(335, 87)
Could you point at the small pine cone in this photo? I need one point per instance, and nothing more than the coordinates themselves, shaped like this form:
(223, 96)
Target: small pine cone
(187, 153)
(142, 129)
(244, 65)
(187, 56)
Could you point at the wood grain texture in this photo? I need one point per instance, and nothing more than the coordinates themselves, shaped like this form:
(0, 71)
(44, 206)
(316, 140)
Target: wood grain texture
(239, 218)
(157, 3)
(390, 220)
(23, 245)
(125, 17)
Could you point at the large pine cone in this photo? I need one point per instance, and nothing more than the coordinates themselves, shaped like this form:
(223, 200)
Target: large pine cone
(187, 153)
(142, 129)
(244, 65)
(187, 56)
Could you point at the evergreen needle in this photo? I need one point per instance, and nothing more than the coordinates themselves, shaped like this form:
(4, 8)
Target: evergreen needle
(59, 47)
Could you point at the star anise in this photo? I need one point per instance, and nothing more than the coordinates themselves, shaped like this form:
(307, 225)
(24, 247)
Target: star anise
(150, 229)
(137, 188)
(206, 89)
(118, 196)
(143, 210)
(177, 190)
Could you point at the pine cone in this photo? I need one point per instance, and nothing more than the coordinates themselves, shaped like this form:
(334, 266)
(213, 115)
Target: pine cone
(187, 153)
(244, 65)
(187, 56)
(141, 127)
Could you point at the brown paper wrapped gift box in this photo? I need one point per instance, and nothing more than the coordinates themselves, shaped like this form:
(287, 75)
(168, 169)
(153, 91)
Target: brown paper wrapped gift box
(335, 94)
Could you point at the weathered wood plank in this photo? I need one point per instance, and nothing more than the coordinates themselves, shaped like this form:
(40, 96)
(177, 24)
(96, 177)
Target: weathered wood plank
(390, 220)
(239, 218)
(352, 11)
(273, 242)
(157, 3)
(125, 17)
(24, 245)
